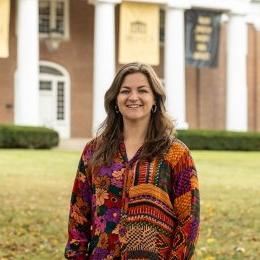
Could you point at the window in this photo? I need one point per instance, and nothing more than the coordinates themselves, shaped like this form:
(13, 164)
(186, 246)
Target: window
(60, 101)
(45, 85)
(54, 18)
(50, 70)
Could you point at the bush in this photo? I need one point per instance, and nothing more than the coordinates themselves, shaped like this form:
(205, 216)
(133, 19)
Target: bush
(12, 136)
(220, 140)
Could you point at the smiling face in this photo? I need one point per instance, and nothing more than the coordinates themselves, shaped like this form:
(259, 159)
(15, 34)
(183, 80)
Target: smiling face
(135, 98)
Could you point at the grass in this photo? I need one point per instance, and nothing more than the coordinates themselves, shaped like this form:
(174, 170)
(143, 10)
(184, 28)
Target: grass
(230, 217)
(35, 191)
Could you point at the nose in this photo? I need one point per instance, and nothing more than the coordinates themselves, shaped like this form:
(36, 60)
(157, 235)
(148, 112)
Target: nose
(133, 96)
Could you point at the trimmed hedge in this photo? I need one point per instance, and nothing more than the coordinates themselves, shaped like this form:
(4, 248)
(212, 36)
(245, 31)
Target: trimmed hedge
(220, 140)
(12, 136)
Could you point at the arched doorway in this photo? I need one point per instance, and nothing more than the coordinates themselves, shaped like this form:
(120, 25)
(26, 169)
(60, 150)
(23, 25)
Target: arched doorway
(54, 84)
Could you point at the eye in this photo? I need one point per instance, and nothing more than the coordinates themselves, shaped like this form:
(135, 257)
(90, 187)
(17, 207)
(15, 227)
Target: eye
(124, 91)
(143, 91)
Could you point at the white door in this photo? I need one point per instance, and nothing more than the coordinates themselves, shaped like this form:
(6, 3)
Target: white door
(54, 100)
(47, 103)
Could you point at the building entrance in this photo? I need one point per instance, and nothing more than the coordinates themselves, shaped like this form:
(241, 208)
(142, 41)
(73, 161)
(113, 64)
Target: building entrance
(54, 99)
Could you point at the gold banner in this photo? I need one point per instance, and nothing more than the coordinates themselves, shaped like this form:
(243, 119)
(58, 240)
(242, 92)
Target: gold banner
(4, 28)
(139, 33)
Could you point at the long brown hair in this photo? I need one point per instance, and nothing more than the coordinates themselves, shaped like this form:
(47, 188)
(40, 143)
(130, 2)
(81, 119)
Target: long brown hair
(160, 127)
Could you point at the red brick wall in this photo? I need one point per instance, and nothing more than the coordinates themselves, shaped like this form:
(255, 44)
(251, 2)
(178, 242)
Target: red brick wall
(76, 55)
(205, 88)
(206, 92)
(253, 78)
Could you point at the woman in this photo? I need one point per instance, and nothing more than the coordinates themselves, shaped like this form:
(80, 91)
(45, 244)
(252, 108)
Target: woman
(135, 194)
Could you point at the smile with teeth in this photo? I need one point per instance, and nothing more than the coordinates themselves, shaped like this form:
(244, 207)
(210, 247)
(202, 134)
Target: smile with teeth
(134, 106)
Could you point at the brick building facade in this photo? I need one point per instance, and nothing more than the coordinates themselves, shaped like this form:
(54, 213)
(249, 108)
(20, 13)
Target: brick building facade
(66, 73)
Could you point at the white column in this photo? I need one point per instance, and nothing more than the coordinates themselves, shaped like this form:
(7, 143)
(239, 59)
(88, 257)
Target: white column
(27, 82)
(174, 65)
(236, 111)
(104, 56)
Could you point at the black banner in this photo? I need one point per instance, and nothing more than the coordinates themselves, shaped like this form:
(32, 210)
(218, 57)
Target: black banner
(202, 37)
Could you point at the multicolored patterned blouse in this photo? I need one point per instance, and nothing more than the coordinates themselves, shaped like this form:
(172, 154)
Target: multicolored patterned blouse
(135, 209)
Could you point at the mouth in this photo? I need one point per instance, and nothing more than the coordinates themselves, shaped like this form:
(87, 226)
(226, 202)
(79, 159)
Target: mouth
(134, 106)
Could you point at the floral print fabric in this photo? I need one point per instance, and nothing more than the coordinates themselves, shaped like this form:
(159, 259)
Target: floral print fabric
(134, 209)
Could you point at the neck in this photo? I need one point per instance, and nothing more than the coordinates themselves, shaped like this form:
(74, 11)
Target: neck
(135, 132)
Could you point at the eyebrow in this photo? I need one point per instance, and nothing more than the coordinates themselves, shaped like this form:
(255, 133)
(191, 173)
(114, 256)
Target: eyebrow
(139, 87)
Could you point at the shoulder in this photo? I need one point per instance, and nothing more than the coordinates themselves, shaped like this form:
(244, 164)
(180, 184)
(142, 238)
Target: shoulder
(176, 152)
(90, 147)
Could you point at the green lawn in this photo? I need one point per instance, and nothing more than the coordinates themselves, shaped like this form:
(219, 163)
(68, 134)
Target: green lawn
(35, 190)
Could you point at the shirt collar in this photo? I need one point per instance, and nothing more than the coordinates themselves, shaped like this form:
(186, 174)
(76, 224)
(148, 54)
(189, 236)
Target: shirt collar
(123, 153)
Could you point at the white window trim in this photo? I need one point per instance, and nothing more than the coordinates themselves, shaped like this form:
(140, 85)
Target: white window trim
(66, 35)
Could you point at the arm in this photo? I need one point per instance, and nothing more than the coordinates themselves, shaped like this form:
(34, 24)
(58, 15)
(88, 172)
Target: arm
(80, 215)
(187, 208)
